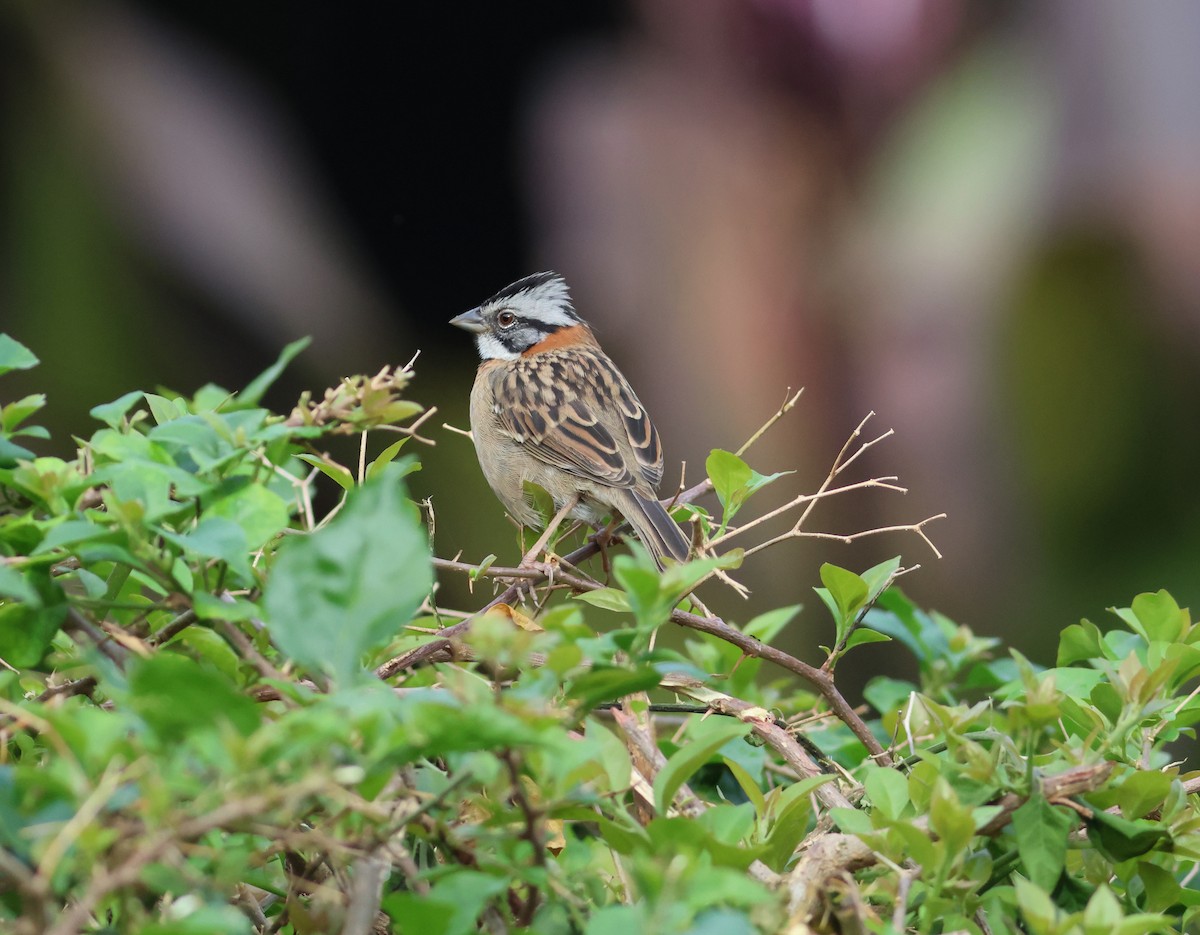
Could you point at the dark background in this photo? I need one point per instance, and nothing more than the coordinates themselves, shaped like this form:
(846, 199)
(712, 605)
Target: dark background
(982, 224)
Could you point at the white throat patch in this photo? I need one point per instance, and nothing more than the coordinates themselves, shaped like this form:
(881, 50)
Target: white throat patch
(490, 348)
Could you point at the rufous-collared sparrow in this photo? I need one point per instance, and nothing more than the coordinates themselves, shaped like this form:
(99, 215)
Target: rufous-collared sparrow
(548, 407)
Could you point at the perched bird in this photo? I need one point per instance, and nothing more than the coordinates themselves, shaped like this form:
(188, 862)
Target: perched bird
(549, 407)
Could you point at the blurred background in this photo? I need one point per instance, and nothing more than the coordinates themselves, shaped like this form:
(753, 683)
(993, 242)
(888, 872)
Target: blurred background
(980, 221)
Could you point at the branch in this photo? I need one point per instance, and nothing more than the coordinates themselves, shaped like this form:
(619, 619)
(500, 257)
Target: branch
(649, 760)
(366, 892)
(79, 626)
(762, 722)
(818, 679)
(828, 856)
(82, 686)
(788, 402)
(442, 647)
(844, 459)
(178, 625)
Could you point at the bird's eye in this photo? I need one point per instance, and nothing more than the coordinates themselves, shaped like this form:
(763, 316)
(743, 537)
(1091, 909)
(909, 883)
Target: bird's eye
(506, 319)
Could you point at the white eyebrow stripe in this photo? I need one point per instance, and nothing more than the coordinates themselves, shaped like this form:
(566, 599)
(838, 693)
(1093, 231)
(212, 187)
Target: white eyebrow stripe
(548, 303)
(545, 313)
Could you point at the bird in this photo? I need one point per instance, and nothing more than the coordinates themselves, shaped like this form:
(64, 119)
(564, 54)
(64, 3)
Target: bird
(549, 407)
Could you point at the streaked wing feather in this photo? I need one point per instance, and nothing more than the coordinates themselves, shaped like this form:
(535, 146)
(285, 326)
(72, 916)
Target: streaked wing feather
(578, 413)
(643, 437)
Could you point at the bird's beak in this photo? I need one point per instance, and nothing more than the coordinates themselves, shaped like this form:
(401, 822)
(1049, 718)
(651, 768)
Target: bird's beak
(470, 321)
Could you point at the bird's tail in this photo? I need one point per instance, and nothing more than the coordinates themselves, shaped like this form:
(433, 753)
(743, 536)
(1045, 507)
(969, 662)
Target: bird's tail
(654, 526)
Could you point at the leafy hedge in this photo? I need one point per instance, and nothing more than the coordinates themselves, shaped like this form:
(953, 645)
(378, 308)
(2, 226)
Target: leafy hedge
(223, 713)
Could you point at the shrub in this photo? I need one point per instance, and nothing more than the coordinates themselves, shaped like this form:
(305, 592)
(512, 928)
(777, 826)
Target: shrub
(223, 713)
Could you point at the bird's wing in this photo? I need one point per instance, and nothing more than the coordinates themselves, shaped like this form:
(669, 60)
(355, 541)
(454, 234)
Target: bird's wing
(577, 412)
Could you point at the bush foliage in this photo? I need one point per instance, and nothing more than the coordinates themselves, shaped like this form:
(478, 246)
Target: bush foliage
(225, 713)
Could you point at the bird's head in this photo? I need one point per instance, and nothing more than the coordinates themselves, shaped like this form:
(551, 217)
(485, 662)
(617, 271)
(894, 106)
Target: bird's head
(521, 316)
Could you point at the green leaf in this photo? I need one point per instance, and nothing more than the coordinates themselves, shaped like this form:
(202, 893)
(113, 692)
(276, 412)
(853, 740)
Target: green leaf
(720, 922)
(612, 684)
(210, 607)
(397, 410)
(887, 695)
(541, 501)
(352, 585)
(426, 914)
(851, 820)
(801, 790)
(888, 790)
(14, 355)
(915, 841)
(624, 839)
(13, 585)
(617, 920)
(1103, 912)
(259, 512)
(949, 818)
(343, 476)
(734, 481)
(729, 475)
(749, 786)
(1080, 642)
(847, 591)
(690, 758)
(112, 413)
(1159, 616)
(866, 635)
(879, 576)
(166, 410)
(680, 579)
(1142, 791)
(206, 646)
(254, 391)
(1162, 889)
(758, 481)
(27, 626)
(606, 599)
(765, 627)
(11, 453)
(687, 835)
(14, 414)
(648, 601)
(385, 457)
(1122, 839)
(206, 920)
(787, 831)
(1036, 905)
(1042, 831)
(71, 532)
(452, 907)
(33, 431)
(219, 538)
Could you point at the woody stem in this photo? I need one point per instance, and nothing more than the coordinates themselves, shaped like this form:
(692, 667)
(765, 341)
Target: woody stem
(532, 555)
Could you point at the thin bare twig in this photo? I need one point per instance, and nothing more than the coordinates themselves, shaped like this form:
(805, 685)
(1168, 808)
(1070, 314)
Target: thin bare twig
(79, 626)
(884, 483)
(176, 626)
(788, 402)
(246, 649)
